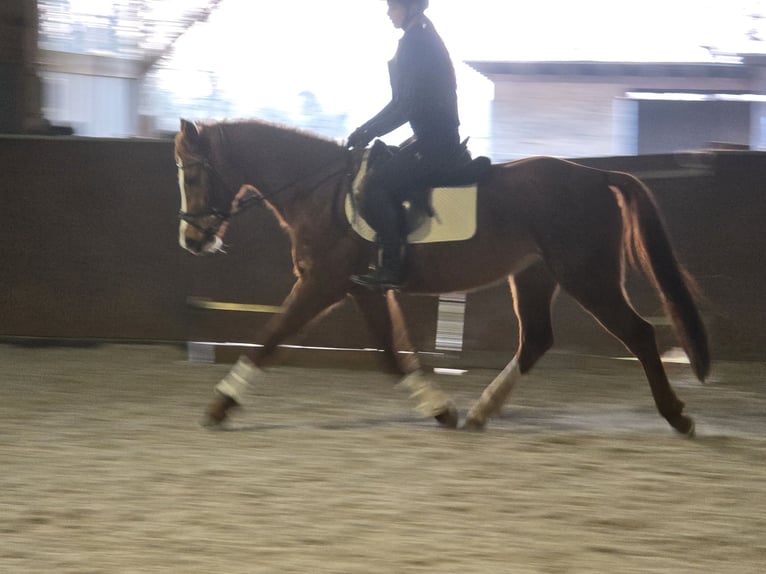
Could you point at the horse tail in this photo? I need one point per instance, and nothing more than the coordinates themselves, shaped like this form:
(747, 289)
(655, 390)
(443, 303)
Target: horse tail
(647, 245)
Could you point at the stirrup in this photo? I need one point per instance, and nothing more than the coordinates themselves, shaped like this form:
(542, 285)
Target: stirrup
(379, 278)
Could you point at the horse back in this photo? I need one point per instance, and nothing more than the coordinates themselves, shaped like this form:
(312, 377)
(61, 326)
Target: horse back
(544, 208)
(546, 193)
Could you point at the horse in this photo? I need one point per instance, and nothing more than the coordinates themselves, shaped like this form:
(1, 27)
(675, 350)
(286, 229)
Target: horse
(544, 224)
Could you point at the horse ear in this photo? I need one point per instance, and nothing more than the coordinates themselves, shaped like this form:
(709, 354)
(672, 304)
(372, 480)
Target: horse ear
(190, 132)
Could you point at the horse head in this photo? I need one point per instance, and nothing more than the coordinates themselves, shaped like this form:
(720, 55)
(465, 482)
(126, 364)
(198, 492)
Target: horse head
(205, 196)
(219, 163)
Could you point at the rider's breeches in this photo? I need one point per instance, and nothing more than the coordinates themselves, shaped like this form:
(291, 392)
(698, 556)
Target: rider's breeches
(394, 180)
(387, 186)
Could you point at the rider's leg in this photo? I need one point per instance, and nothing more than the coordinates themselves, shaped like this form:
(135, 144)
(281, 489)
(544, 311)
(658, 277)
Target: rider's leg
(383, 192)
(388, 222)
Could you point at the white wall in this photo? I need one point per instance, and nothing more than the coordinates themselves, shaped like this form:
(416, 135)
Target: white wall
(93, 105)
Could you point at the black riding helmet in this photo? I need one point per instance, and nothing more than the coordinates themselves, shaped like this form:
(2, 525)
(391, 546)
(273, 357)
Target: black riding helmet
(414, 8)
(421, 5)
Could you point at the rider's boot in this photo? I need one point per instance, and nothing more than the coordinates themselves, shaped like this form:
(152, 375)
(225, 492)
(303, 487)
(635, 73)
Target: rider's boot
(389, 272)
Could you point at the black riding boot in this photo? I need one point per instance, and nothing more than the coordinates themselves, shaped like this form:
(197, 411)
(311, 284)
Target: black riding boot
(389, 271)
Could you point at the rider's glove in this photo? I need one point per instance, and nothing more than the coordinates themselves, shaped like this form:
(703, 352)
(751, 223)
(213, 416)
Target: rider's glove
(359, 138)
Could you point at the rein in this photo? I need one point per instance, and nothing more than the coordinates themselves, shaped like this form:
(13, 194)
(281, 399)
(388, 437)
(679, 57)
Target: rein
(241, 200)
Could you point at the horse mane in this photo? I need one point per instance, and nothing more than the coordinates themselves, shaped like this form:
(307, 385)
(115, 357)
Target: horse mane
(298, 135)
(282, 127)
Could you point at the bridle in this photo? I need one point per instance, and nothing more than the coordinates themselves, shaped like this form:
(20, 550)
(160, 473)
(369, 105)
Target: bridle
(224, 213)
(243, 198)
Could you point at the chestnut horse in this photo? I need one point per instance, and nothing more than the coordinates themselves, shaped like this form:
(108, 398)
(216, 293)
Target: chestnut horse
(543, 223)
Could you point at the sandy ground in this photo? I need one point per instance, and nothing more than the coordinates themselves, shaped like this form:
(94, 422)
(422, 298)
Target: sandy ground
(105, 470)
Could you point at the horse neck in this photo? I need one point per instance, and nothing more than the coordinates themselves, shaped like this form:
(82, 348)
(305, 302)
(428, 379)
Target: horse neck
(286, 166)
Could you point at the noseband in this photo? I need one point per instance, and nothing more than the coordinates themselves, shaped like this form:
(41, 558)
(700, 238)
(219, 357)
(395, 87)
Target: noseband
(222, 214)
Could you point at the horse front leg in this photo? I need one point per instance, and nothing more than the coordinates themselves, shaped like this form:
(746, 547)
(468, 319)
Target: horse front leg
(386, 323)
(305, 302)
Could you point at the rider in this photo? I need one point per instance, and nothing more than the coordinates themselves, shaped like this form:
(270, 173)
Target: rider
(424, 93)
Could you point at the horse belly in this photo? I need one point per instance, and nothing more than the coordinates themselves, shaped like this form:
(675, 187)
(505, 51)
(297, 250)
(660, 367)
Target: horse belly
(466, 265)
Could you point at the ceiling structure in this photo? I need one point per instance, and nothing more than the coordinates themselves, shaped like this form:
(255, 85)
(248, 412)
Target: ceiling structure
(127, 36)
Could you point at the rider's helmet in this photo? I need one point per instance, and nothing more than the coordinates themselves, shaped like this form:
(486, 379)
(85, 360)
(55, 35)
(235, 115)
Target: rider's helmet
(421, 5)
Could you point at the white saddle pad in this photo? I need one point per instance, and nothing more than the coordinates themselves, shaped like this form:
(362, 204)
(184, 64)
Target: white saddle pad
(454, 220)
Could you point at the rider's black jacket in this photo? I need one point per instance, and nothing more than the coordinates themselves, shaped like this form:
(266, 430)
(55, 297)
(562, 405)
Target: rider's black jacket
(423, 87)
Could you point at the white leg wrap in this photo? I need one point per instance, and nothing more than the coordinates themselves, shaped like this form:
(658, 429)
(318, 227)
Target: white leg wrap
(431, 399)
(239, 378)
(494, 396)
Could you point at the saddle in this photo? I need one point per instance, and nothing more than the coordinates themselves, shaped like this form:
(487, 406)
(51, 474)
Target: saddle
(463, 171)
(444, 211)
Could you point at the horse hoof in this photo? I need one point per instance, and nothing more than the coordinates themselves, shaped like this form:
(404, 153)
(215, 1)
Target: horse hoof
(474, 425)
(218, 411)
(684, 425)
(449, 417)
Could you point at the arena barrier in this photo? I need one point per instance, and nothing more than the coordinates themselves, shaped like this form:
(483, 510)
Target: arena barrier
(89, 251)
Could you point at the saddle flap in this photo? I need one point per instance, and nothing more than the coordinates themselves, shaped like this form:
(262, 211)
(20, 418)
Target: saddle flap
(450, 215)
(454, 217)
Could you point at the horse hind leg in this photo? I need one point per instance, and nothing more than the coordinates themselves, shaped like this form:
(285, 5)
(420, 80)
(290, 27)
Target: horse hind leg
(533, 293)
(604, 298)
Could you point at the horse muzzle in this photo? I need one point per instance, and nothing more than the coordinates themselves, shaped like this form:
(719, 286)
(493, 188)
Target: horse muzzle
(207, 248)
(200, 242)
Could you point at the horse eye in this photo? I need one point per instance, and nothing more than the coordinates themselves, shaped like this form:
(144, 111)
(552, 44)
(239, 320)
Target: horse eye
(191, 180)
